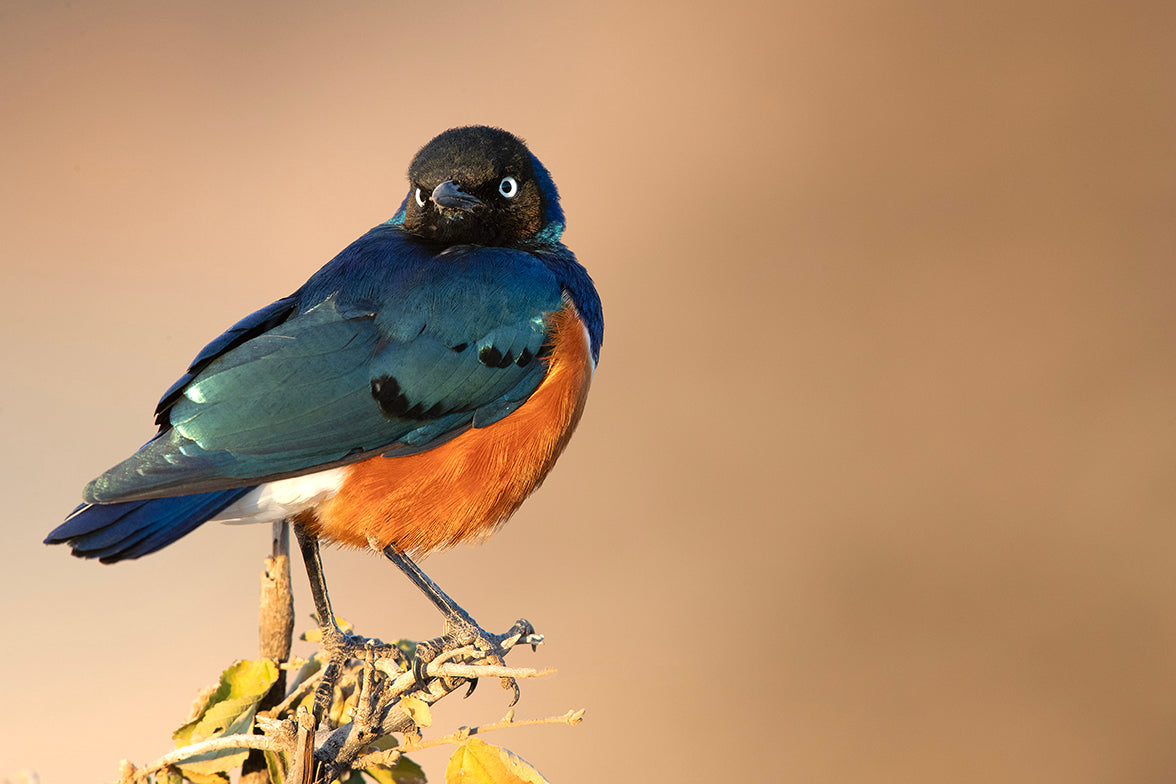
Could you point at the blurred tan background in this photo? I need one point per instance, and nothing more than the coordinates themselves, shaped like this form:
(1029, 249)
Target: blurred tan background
(878, 476)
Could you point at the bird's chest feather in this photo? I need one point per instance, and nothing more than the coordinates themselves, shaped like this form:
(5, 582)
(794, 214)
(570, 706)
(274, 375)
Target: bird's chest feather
(467, 486)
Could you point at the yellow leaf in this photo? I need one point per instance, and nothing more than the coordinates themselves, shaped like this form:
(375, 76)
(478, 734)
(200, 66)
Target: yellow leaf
(205, 778)
(226, 710)
(478, 762)
(316, 634)
(417, 710)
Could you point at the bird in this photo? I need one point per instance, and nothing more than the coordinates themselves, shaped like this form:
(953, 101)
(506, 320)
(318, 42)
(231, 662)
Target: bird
(408, 397)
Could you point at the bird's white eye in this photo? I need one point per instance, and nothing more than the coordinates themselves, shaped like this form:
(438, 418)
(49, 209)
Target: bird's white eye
(509, 187)
(420, 198)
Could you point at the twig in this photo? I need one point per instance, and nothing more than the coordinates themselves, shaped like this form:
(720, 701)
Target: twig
(389, 756)
(260, 742)
(296, 694)
(302, 763)
(471, 671)
(275, 636)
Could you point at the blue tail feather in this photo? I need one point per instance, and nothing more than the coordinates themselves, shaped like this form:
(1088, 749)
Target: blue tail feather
(129, 529)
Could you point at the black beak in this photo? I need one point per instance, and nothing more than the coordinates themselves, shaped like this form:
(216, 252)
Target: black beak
(449, 194)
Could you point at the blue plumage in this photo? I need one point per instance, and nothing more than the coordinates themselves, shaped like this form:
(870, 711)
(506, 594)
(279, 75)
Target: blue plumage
(113, 532)
(299, 396)
(428, 325)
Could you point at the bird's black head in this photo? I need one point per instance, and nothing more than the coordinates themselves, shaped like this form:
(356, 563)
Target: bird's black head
(480, 186)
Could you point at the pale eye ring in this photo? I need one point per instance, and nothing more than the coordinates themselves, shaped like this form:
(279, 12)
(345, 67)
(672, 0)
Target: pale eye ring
(509, 187)
(420, 198)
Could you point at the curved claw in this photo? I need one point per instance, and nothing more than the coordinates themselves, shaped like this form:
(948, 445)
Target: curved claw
(491, 647)
(511, 683)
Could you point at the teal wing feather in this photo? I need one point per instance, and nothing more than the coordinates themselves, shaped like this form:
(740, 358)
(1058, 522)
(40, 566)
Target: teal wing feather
(344, 379)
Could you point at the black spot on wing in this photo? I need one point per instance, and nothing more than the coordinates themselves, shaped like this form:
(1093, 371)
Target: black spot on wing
(386, 391)
(489, 356)
(394, 403)
(525, 357)
(492, 357)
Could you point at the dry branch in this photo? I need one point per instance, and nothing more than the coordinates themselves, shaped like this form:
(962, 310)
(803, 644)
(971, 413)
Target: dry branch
(372, 699)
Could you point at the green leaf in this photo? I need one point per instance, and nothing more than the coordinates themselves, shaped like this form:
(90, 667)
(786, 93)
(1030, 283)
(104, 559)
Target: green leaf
(384, 742)
(407, 647)
(226, 710)
(275, 767)
(405, 771)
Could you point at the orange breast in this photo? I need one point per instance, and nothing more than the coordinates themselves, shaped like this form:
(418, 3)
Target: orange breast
(468, 486)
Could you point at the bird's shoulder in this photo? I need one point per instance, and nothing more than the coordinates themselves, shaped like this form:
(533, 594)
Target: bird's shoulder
(398, 289)
(408, 285)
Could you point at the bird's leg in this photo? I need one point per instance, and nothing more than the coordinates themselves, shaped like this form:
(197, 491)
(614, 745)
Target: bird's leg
(334, 640)
(333, 636)
(460, 628)
(454, 614)
(340, 646)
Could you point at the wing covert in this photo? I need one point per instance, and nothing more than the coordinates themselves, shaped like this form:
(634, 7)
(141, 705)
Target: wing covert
(349, 377)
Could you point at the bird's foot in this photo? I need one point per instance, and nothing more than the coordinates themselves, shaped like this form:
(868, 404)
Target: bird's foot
(342, 646)
(483, 647)
(341, 643)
